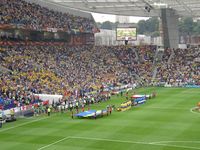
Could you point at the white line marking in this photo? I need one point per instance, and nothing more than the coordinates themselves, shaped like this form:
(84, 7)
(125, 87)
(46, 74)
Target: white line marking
(178, 146)
(175, 142)
(54, 143)
(131, 142)
(22, 124)
(134, 142)
(191, 110)
(109, 140)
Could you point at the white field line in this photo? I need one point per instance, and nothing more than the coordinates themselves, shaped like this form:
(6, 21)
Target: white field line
(130, 142)
(108, 140)
(191, 110)
(159, 142)
(22, 124)
(135, 142)
(53, 143)
(178, 146)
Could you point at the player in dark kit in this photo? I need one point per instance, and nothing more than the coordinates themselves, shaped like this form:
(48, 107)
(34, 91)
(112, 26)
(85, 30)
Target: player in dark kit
(1, 120)
(95, 115)
(72, 114)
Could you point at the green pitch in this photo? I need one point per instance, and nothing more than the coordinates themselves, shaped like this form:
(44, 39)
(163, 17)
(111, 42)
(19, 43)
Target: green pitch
(163, 123)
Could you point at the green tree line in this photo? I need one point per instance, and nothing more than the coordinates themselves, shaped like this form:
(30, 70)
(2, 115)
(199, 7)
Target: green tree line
(187, 26)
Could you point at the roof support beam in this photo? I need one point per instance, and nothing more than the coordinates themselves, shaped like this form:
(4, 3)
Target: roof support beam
(185, 6)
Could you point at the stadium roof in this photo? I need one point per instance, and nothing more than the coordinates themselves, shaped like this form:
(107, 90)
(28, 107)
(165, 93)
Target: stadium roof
(144, 8)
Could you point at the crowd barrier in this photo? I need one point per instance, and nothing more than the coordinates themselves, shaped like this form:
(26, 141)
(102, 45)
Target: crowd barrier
(192, 86)
(50, 98)
(183, 86)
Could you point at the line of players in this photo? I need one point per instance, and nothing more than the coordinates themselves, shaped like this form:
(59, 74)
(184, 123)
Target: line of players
(76, 108)
(74, 105)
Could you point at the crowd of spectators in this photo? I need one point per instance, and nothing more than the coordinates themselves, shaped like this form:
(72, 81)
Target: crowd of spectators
(183, 68)
(57, 69)
(35, 17)
(137, 59)
(74, 70)
(145, 67)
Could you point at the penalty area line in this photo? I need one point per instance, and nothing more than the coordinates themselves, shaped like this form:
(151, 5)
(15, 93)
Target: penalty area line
(108, 140)
(53, 143)
(22, 124)
(136, 142)
(159, 143)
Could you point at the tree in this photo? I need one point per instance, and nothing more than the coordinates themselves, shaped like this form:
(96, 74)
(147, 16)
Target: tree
(149, 26)
(141, 27)
(106, 25)
(196, 29)
(186, 26)
(152, 24)
(99, 24)
(155, 34)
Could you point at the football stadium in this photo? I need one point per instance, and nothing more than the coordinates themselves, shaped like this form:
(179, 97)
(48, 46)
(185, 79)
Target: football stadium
(72, 78)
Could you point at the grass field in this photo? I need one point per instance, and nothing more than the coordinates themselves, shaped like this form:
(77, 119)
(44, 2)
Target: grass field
(163, 123)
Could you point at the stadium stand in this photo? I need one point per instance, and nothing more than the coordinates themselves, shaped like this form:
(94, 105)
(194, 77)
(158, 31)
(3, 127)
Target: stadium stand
(32, 16)
(51, 70)
(181, 69)
(29, 67)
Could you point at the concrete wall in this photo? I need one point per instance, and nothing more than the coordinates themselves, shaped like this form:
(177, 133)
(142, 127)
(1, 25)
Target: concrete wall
(170, 28)
(157, 41)
(105, 37)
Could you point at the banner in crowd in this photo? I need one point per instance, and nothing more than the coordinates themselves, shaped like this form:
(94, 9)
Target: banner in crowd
(11, 43)
(51, 36)
(6, 26)
(186, 86)
(52, 29)
(49, 97)
(192, 86)
(74, 40)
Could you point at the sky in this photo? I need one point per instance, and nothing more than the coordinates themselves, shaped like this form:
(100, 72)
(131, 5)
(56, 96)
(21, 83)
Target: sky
(105, 17)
